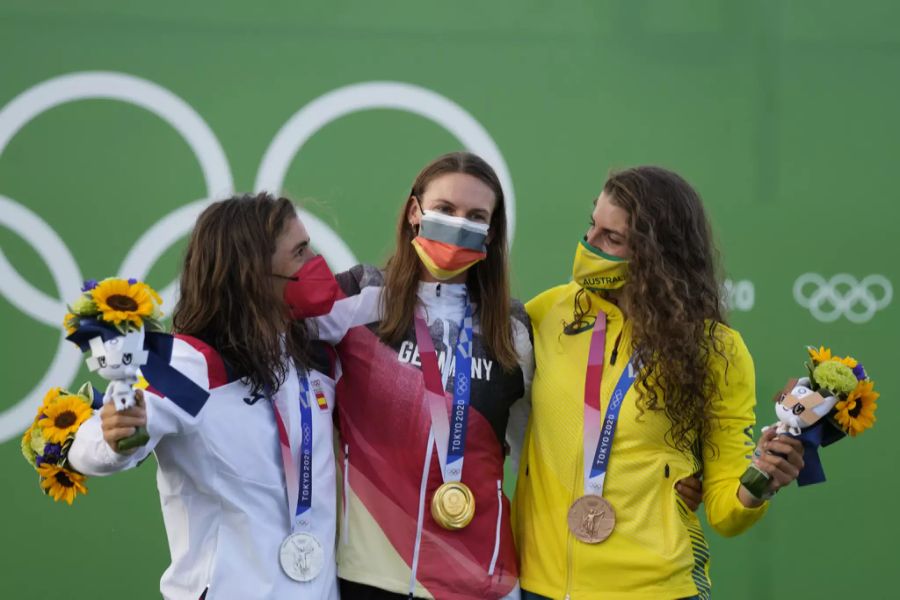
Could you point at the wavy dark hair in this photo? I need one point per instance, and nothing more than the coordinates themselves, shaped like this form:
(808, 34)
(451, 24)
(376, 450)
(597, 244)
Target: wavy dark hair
(228, 299)
(488, 280)
(672, 299)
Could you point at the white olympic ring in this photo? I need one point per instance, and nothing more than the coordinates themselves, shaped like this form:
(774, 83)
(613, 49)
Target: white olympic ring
(34, 303)
(67, 277)
(855, 300)
(382, 95)
(157, 239)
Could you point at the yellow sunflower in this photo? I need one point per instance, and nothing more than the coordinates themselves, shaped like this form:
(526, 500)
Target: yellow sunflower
(857, 412)
(60, 483)
(63, 416)
(847, 360)
(122, 302)
(143, 286)
(819, 356)
(52, 395)
(68, 323)
(157, 314)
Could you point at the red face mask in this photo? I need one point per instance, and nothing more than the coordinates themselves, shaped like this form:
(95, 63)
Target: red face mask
(312, 291)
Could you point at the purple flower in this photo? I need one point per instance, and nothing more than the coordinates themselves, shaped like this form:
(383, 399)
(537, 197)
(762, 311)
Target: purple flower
(52, 452)
(860, 372)
(89, 285)
(38, 460)
(132, 281)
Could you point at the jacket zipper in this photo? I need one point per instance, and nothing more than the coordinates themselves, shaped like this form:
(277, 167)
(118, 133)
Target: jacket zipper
(570, 539)
(421, 518)
(615, 351)
(346, 524)
(497, 532)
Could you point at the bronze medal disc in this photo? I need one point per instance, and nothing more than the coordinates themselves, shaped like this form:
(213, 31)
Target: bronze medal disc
(453, 505)
(592, 519)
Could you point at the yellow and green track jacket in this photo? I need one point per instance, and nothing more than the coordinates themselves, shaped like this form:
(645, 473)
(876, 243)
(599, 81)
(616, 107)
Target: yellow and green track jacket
(657, 549)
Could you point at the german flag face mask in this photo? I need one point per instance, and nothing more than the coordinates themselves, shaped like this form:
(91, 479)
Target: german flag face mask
(448, 246)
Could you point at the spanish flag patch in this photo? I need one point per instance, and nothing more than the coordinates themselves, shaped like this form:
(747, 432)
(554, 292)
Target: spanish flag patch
(320, 399)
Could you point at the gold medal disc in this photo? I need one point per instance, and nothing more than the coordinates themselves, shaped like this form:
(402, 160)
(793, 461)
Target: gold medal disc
(453, 505)
(592, 519)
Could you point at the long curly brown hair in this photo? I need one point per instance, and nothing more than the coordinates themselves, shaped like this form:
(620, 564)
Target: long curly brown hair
(228, 299)
(672, 299)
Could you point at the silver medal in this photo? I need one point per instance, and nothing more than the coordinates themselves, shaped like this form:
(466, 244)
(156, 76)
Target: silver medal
(301, 556)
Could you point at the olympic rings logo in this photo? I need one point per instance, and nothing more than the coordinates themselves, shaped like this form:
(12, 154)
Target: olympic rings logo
(288, 141)
(843, 296)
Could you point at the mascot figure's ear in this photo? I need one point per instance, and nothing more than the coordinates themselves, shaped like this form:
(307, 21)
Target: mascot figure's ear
(97, 359)
(779, 396)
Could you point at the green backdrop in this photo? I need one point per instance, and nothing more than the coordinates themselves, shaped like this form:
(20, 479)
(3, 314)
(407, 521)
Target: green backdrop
(783, 114)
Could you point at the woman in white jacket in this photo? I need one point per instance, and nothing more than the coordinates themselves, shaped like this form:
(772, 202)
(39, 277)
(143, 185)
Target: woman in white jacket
(243, 438)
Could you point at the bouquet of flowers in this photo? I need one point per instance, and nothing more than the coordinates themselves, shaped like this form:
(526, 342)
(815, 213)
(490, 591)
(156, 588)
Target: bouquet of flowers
(125, 304)
(114, 321)
(46, 443)
(846, 378)
(836, 399)
(109, 321)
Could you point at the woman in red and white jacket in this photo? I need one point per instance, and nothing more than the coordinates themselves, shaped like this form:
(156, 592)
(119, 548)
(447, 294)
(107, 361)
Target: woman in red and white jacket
(243, 435)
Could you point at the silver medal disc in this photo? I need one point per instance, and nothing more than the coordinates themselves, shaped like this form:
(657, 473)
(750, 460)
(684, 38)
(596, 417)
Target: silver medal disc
(301, 556)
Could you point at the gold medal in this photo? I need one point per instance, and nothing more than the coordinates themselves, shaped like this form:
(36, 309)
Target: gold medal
(592, 519)
(453, 505)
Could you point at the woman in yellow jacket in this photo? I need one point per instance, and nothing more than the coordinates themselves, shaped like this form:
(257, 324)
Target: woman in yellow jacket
(638, 384)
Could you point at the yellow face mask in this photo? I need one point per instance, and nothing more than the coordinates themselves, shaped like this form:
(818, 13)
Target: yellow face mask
(595, 270)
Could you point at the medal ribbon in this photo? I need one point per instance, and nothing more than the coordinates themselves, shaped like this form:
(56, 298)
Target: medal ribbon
(449, 431)
(598, 441)
(298, 477)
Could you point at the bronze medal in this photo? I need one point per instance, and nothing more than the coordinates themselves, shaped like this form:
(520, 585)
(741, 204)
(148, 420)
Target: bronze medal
(592, 519)
(453, 505)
